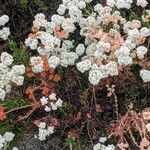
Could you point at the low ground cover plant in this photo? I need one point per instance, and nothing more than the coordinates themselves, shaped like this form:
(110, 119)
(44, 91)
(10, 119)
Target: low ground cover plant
(82, 74)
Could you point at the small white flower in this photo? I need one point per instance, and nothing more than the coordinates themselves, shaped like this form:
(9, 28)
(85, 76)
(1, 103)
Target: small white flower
(50, 130)
(52, 96)
(141, 51)
(3, 20)
(110, 147)
(7, 77)
(15, 148)
(42, 125)
(44, 100)
(2, 140)
(145, 31)
(146, 15)
(36, 60)
(111, 3)
(18, 80)
(102, 46)
(72, 57)
(33, 43)
(97, 146)
(8, 136)
(74, 12)
(1, 84)
(57, 19)
(64, 62)
(6, 58)
(42, 51)
(61, 10)
(53, 61)
(67, 44)
(18, 69)
(142, 3)
(37, 68)
(102, 139)
(4, 33)
(3, 69)
(59, 102)
(122, 51)
(95, 76)
(80, 49)
(2, 94)
(68, 25)
(40, 16)
(84, 65)
(98, 7)
(54, 106)
(47, 109)
(145, 75)
(129, 44)
(125, 60)
(91, 21)
(112, 68)
(42, 134)
(105, 70)
(124, 4)
(81, 5)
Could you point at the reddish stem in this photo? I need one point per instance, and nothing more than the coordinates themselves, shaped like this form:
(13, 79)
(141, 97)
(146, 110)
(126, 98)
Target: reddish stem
(12, 110)
(35, 105)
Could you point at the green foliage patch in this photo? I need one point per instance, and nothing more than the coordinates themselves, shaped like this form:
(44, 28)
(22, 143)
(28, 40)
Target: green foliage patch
(20, 54)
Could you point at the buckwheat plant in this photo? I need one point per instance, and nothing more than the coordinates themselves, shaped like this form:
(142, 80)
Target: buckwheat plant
(102, 145)
(97, 39)
(9, 74)
(44, 131)
(51, 102)
(5, 139)
(4, 31)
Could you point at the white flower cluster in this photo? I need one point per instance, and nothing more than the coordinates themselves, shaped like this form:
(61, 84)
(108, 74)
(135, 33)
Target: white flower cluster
(44, 131)
(37, 64)
(126, 3)
(51, 103)
(142, 3)
(9, 74)
(5, 31)
(5, 139)
(101, 145)
(146, 16)
(97, 73)
(120, 3)
(108, 39)
(141, 51)
(145, 75)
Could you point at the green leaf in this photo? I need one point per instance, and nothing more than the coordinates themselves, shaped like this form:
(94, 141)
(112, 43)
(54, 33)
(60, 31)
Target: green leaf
(21, 55)
(14, 103)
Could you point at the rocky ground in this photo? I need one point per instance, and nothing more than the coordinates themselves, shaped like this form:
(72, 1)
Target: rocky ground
(30, 143)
